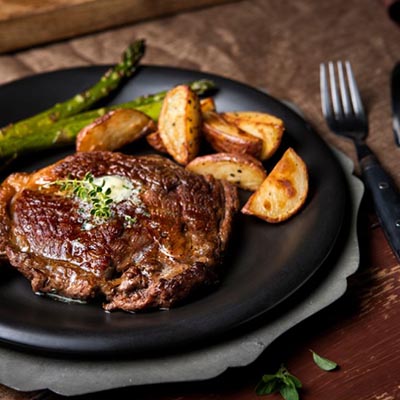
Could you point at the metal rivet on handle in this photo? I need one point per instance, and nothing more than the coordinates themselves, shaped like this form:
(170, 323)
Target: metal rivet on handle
(383, 185)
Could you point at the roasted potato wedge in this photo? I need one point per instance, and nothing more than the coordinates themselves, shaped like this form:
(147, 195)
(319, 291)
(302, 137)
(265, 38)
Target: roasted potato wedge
(284, 191)
(262, 125)
(226, 137)
(179, 124)
(241, 170)
(114, 130)
(207, 104)
(154, 138)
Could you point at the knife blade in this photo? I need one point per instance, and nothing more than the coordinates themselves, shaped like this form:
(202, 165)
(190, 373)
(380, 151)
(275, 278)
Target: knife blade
(395, 85)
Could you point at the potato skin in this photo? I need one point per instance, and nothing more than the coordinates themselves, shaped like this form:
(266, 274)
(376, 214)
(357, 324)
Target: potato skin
(265, 126)
(154, 139)
(179, 124)
(283, 192)
(242, 170)
(114, 130)
(226, 137)
(207, 104)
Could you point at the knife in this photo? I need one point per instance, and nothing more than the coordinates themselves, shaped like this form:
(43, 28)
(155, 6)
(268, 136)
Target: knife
(396, 102)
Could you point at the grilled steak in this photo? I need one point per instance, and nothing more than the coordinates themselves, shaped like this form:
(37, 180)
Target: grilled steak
(162, 237)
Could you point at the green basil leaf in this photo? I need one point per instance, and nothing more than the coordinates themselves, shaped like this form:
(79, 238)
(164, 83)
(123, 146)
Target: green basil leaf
(268, 377)
(263, 388)
(282, 381)
(287, 381)
(323, 363)
(281, 373)
(296, 381)
(289, 393)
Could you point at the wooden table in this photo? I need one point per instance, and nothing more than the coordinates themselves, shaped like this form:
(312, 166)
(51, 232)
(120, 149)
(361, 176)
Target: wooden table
(277, 45)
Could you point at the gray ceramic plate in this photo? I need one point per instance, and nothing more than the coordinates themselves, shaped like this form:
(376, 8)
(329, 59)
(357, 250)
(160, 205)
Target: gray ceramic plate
(265, 263)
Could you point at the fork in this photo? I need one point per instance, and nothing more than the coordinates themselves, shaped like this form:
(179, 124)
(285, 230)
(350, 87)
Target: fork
(345, 116)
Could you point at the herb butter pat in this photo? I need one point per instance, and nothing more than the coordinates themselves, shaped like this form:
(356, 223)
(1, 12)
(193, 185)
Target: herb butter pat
(120, 188)
(97, 195)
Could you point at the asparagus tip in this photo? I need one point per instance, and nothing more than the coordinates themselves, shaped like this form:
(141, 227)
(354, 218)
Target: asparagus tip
(134, 51)
(202, 86)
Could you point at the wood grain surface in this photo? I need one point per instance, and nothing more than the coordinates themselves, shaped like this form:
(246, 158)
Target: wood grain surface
(278, 46)
(26, 23)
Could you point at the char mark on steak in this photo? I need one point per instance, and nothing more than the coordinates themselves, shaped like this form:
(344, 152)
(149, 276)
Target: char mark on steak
(164, 238)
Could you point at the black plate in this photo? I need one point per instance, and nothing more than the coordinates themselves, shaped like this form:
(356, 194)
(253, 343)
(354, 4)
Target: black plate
(264, 265)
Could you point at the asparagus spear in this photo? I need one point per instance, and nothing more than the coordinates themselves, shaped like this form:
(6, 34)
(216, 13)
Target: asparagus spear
(66, 130)
(21, 130)
(146, 104)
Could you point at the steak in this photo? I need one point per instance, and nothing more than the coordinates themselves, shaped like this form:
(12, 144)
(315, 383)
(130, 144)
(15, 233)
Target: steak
(161, 239)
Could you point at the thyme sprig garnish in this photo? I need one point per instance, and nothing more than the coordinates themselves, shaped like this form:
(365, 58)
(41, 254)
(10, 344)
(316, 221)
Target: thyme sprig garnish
(130, 220)
(96, 195)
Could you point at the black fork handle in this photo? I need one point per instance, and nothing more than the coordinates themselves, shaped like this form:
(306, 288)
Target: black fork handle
(386, 199)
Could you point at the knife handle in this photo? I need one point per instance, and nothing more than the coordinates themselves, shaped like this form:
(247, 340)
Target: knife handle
(386, 199)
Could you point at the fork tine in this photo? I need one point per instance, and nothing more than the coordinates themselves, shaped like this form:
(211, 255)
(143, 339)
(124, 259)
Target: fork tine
(354, 92)
(344, 92)
(341, 101)
(337, 106)
(325, 97)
